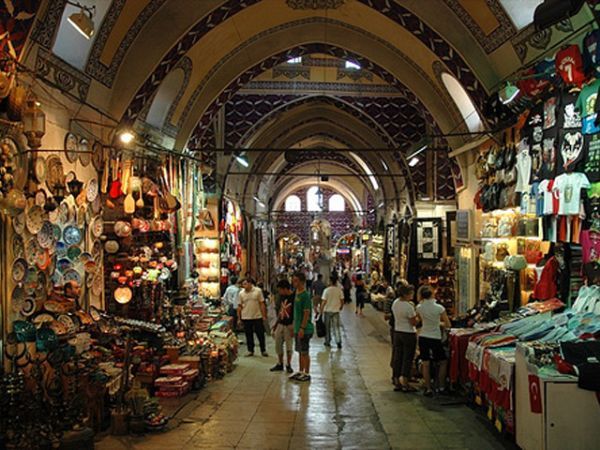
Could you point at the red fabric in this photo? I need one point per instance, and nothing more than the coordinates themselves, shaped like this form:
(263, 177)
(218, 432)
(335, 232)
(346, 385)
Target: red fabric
(459, 367)
(569, 65)
(532, 87)
(535, 395)
(546, 287)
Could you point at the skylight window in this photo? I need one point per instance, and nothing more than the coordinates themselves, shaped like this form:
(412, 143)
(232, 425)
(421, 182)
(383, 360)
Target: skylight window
(297, 60)
(463, 102)
(367, 170)
(520, 11)
(352, 65)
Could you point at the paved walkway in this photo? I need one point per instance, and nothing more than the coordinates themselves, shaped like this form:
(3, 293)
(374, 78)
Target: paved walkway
(349, 404)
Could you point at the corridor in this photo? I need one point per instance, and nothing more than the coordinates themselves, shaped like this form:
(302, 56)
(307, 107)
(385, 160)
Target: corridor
(349, 404)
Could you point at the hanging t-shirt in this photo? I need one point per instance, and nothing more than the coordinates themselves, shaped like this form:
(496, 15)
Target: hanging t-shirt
(592, 162)
(549, 144)
(538, 195)
(586, 105)
(569, 65)
(523, 171)
(591, 51)
(572, 151)
(550, 112)
(568, 116)
(534, 124)
(550, 199)
(569, 186)
(590, 246)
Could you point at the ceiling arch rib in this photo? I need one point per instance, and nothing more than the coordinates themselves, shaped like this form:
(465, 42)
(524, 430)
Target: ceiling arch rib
(395, 14)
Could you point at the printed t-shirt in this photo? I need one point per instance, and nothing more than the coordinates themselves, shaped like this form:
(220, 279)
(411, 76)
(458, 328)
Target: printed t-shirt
(538, 195)
(550, 199)
(569, 186)
(572, 151)
(523, 171)
(431, 313)
(403, 311)
(334, 297)
(303, 303)
(569, 65)
(550, 112)
(284, 305)
(548, 163)
(590, 245)
(591, 166)
(568, 116)
(591, 51)
(251, 303)
(586, 105)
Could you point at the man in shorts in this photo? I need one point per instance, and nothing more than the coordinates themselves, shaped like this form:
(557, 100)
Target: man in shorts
(303, 326)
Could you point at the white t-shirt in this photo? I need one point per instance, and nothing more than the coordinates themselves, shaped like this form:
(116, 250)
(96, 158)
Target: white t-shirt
(251, 303)
(548, 195)
(523, 170)
(334, 298)
(569, 186)
(403, 312)
(431, 314)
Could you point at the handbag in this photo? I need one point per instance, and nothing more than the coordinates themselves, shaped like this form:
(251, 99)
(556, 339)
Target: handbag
(515, 262)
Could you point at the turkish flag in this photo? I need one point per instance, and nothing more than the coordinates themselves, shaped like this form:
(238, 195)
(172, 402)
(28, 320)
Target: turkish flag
(535, 394)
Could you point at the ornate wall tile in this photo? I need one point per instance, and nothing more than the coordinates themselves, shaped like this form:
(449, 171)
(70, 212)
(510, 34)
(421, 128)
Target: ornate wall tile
(291, 72)
(319, 86)
(315, 4)
(47, 25)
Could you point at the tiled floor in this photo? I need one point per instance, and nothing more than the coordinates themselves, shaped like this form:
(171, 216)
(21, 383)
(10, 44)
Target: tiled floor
(349, 404)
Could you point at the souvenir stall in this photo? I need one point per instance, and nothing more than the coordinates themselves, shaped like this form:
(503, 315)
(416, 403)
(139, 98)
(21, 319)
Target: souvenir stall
(538, 299)
(344, 250)
(289, 248)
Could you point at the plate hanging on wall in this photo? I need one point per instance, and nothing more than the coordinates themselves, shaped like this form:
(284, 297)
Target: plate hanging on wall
(71, 147)
(85, 156)
(40, 169)
(98, 156)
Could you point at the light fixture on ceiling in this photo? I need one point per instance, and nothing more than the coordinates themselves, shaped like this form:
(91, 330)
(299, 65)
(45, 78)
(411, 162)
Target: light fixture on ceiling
(126, 137)
(385, 166)
(418, 148)
(413, 162)
(371, 211)
(83, 20)
(259, 201)
(242, 160)
(381, 205)
(508, 93)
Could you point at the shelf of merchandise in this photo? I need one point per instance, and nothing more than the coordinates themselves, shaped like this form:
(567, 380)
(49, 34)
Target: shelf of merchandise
(208, 263)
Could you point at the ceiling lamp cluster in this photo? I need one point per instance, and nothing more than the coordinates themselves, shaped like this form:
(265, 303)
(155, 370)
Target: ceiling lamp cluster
(83, 20)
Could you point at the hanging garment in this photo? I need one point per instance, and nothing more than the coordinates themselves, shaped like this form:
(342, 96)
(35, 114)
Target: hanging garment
(547, 288)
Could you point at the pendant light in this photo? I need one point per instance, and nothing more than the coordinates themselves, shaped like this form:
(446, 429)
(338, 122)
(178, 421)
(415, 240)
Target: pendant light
(83, 21)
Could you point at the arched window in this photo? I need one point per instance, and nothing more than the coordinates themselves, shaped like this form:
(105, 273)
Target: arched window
(314, 199)
(337, 203)
(161, 104)
(72, 46)
(292, 203)
(463, 102)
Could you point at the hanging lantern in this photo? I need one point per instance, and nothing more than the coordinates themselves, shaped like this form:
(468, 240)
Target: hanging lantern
(34, 122)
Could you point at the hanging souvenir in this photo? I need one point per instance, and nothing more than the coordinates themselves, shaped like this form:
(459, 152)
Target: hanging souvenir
(71, 147)
(85, 155)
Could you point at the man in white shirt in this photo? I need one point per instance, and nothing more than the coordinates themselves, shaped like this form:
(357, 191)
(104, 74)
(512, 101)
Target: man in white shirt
(253, 312)
(331, 305)
(230, 300)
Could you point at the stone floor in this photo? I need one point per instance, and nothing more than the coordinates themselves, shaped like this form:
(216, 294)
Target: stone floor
(349, 404)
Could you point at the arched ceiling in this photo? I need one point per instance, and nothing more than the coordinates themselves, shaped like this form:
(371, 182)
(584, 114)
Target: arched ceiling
(237, 91)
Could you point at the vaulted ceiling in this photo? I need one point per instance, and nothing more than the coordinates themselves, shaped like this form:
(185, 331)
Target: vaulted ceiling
(221, 68)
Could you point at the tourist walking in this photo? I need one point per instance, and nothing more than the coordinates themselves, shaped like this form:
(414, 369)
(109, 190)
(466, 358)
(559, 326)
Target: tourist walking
(331, 305)
(253, 313)
(303, 326)
(434, 317)
(361, 294)
(230, 298)
(283, 331)
(405, 337)
(347, 286)
(317, 292)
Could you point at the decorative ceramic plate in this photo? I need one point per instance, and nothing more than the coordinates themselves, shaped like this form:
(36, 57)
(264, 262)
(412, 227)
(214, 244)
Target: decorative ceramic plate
(73, 253)
(18, 298)
(86, 156)
(85, 257)
(40, 169)
(71, 275)
(111, 247)
(46, 235)
(43, 260)
(57, 279)
(19, 270)
(55, 174)
(31, 280)
(61, 249)
(97, 226)
(32, 250)
(97, 283)
(64, 264)
(28, 307)
(16, 161)
(19, 223)
(95, 314)
(18, 246)
(98, 156)
(42, 289)
(34, 219)
(41, 319)
(92, 190)
(90, 266)
(40, 198)
(72, 214)
(63, 213)
(72, 235)
(71, 146)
